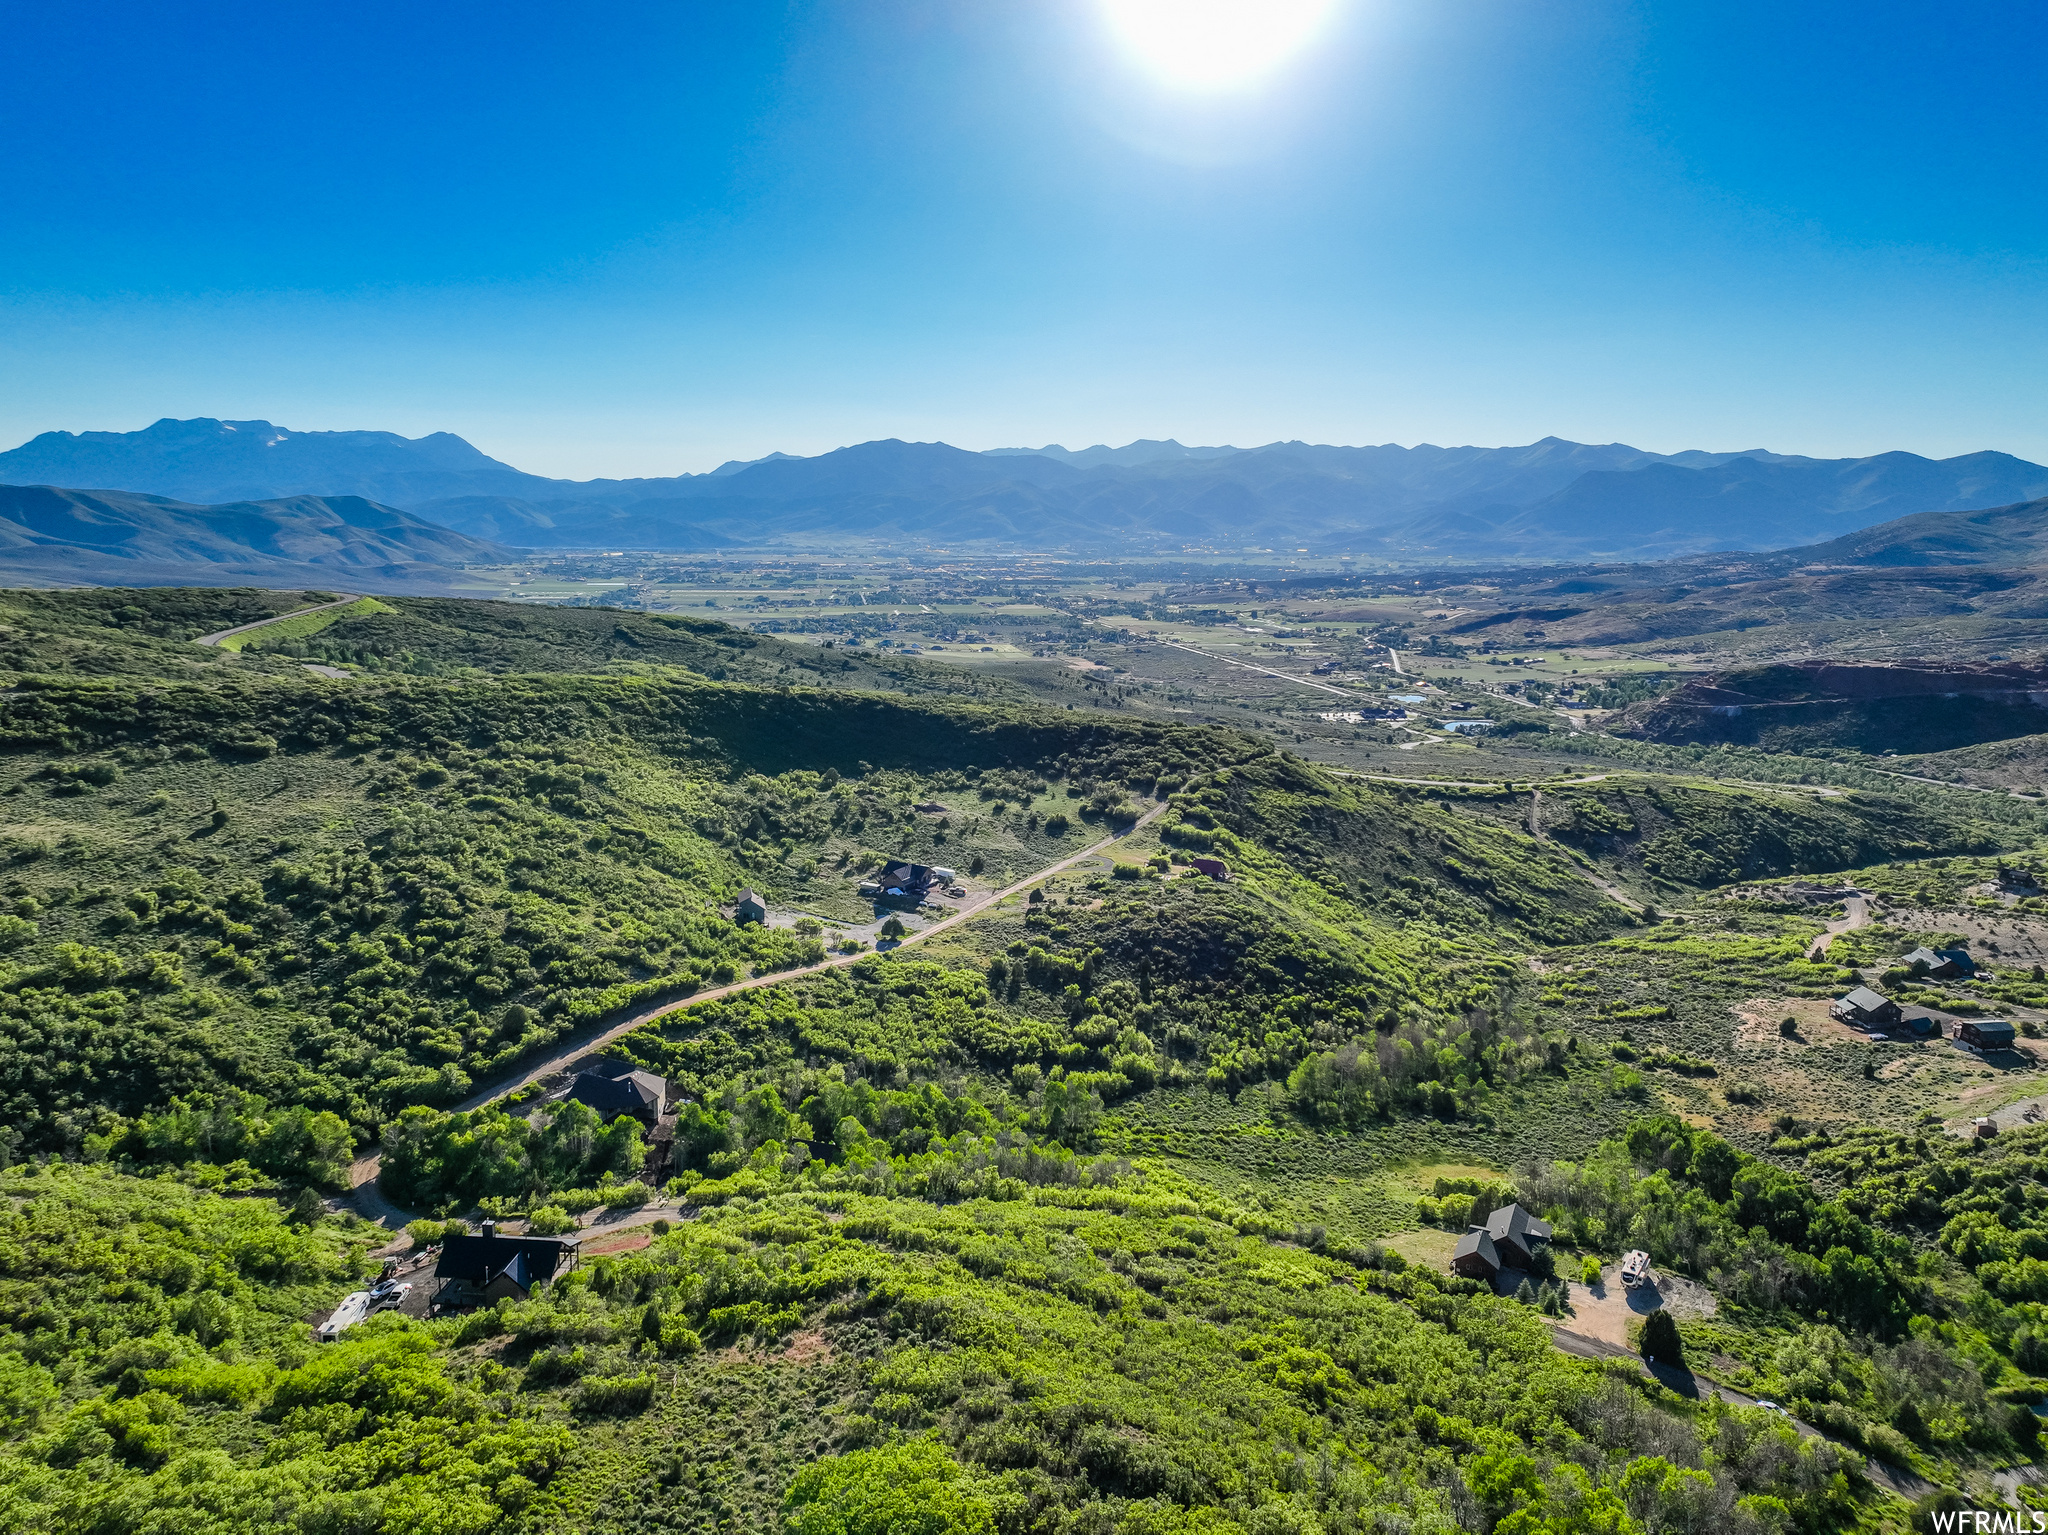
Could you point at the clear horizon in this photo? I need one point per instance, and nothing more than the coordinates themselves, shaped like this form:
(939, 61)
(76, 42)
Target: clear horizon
(1008, 447)
(650, 242)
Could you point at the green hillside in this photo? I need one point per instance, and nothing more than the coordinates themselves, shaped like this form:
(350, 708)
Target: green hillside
(2001, 535)
(1087, 1214)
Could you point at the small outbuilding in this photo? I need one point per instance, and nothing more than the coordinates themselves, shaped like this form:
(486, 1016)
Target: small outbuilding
(1986, 1034)
(750, 908)
(1919, 1022)
(1215, 868)
(1865, 1008)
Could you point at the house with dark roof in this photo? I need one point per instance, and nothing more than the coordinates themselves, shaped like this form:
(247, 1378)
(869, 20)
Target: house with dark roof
(750, 908)
(475, 1271)
(1865, 1008)
(1940, 964)
(1515, 1233)
(638, 1093)
(1506, 1241)
(1986, 1034)
(902, 883)
(1475, 1256)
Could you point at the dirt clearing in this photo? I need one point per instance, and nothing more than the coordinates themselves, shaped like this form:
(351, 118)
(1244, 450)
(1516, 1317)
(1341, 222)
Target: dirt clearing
(1605, 1310)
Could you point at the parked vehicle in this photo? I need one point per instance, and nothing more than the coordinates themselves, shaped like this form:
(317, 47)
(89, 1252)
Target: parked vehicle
(1635, 1269)
(389, 1296)
(353, 1308)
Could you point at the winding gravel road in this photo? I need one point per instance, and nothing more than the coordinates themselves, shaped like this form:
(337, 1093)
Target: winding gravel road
(370, 1202)
(276, 618)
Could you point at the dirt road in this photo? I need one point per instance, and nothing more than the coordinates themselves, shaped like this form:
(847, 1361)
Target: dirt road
(1855, 914)
(370, 1202)
(276, 618)
(1323, 687)
(597, 1039)
(1687, 1383)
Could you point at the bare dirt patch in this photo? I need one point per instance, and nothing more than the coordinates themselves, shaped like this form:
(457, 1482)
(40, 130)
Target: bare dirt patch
(808, 1347)
(1757, 1023)
(1604, 1311)
(2021, 941)
(619, 1242)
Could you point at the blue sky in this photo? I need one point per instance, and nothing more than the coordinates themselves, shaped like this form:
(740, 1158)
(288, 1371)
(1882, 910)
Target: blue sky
(629, 239)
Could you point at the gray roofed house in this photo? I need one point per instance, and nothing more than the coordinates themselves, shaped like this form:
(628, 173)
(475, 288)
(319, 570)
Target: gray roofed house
(1866, 1007)
(750, 908)
(479, 1269)
(1515, 1233)
(639, 1093)
(1475, 1256)
(1940, 964)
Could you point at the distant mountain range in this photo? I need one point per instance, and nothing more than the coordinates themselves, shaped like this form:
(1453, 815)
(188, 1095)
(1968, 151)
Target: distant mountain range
(124, 539)
(1549, 500)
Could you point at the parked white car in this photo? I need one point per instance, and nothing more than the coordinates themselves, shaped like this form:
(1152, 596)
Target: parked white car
(389, 1296)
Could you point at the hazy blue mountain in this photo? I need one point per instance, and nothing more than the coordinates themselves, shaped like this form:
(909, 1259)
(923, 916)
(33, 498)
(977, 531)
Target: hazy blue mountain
(735, 465)
(1660, 509)
(1145, 450)
(124, 538)
(208, 461)
(1550, 499)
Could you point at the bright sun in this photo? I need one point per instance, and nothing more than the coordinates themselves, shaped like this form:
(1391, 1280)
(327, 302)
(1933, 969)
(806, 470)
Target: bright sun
(1214, 44)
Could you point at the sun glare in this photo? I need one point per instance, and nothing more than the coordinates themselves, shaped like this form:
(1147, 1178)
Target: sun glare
(1214, 44)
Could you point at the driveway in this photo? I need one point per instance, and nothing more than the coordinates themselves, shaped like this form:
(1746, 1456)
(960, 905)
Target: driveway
(1687, 1383)
(1604, 1310)
(596, 1039)
(1855, 914)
